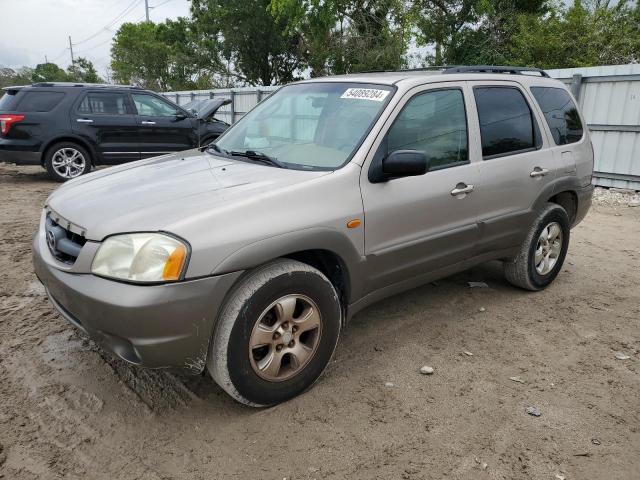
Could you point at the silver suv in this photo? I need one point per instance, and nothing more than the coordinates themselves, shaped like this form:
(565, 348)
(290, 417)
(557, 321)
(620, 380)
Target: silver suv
(247, 258)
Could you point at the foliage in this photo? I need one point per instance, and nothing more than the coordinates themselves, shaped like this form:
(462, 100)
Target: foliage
(256, 47)
(265, 42)
(160, 56)
(49, 72)
(539, 33)
(343, 36)
(83, 70)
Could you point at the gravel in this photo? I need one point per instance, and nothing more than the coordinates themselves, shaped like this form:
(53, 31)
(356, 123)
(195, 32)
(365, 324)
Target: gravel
(615, 197)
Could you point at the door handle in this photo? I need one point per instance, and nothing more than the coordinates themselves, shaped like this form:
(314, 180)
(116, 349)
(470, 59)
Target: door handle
(462, 188)
(146, 122)
(539, 172)
(84, 120)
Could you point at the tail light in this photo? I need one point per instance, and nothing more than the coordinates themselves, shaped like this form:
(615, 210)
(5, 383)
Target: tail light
(6, 121)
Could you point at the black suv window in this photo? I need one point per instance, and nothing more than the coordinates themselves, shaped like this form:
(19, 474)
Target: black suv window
(39, 101)
(560, 113)
(104, 103)
(152, 106)
(506, 124)
(8, 100)
(434, 122)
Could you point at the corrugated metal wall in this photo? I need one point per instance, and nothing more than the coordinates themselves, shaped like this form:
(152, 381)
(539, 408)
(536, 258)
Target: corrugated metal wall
(609, 97)
(242, 99)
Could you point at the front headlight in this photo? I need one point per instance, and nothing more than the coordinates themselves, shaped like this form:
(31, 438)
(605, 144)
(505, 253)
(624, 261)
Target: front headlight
(141, 257)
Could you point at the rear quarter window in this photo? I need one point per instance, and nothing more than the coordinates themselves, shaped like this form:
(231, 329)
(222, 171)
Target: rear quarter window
(560, 113)
(9, 100)
(39, 101)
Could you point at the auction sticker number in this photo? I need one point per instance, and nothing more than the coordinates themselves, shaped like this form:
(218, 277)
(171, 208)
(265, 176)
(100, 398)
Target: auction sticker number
(365, 94)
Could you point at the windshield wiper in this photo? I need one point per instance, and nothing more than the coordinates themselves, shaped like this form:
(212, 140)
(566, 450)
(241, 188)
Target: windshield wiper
(215, 148)
(259, 156)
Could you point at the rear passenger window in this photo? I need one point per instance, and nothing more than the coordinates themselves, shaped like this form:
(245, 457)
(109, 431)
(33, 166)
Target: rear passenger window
(104, 103)
(39, 101)
(506, 124)
(433, 122)
(560, 113)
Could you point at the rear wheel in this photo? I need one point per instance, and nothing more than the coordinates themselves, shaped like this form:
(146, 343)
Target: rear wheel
(67, 160)
(543, 251)
(276, 333)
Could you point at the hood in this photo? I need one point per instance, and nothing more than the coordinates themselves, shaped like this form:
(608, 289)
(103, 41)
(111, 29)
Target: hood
(165, 192)
(209, 107)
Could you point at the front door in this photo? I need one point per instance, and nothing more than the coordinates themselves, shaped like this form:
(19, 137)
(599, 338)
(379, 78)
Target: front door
(106, 121)
(516, 163)
(163, 127)
(416, 225)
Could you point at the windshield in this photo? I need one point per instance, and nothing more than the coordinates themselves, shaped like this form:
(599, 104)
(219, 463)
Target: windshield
(311, 125)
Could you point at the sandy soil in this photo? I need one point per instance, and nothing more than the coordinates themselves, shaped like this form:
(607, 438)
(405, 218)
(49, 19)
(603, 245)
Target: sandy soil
(67, 410)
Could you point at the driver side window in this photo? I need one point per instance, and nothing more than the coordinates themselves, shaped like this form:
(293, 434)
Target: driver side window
(435, 123)
(150, 106)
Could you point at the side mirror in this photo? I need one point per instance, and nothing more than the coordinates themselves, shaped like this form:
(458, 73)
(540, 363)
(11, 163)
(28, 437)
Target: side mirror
(404, 163)
(180, 116)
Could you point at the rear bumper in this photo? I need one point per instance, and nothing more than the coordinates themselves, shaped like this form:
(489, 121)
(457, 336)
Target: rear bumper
(21, 152)
(153, 326)
(585, 194)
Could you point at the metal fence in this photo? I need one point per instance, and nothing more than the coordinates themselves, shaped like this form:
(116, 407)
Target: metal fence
(609, 97)
(242, 99)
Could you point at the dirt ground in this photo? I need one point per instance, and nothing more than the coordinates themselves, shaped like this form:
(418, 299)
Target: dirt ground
(68, 410)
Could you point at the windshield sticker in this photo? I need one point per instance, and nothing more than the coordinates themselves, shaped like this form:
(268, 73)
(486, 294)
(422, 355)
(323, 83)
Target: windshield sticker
(365, 94)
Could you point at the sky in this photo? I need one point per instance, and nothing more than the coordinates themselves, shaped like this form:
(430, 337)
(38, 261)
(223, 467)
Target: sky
(32, 29)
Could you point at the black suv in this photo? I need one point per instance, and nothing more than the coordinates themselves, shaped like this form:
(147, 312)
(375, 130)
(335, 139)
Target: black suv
(68, 128)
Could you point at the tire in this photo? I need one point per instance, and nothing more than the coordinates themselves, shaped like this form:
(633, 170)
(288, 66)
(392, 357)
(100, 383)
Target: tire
(266, 295)
(524, 271)
(79, 161)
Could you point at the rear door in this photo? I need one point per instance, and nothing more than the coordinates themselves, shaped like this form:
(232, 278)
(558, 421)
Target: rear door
(516, 162)
(417, 225)
(106, 120)
(163, 127)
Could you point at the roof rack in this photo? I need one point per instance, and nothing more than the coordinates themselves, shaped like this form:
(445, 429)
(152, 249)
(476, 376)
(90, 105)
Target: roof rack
(496, 69)
(80, 84)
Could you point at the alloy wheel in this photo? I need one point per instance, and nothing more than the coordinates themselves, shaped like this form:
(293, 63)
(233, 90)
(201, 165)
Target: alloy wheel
(548, 248)
(285, 337)
(68, 162)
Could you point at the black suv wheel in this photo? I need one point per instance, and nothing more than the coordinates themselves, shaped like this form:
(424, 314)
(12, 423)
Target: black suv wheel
(67, 160)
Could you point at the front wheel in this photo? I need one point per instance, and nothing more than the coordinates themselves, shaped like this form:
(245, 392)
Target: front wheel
(543, 251)
(275, 334)
(67, 160)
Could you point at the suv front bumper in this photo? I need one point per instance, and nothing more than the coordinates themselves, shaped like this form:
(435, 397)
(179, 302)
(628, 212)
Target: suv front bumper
(154, 326)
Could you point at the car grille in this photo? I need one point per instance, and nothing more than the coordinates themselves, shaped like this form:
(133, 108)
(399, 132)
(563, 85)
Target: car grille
(64, 244)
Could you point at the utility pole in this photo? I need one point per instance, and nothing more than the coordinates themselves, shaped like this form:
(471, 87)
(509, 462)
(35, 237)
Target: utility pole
(71, 50)
(46, 60)
(146, 9)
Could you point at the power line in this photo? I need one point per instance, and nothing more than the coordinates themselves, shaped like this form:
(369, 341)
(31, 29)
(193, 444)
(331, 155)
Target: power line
(161, 4)
(88, 49)
(120, 16)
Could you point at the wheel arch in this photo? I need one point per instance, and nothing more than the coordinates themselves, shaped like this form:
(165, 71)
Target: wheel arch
(69, 138)
(326, 249)
(562, 191)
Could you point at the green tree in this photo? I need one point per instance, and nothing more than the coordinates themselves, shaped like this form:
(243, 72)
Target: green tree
(49, 72)
(83, 70)
(164, 56)
(10, 77)
(342, 36)
(255, 47)
(586, 34)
